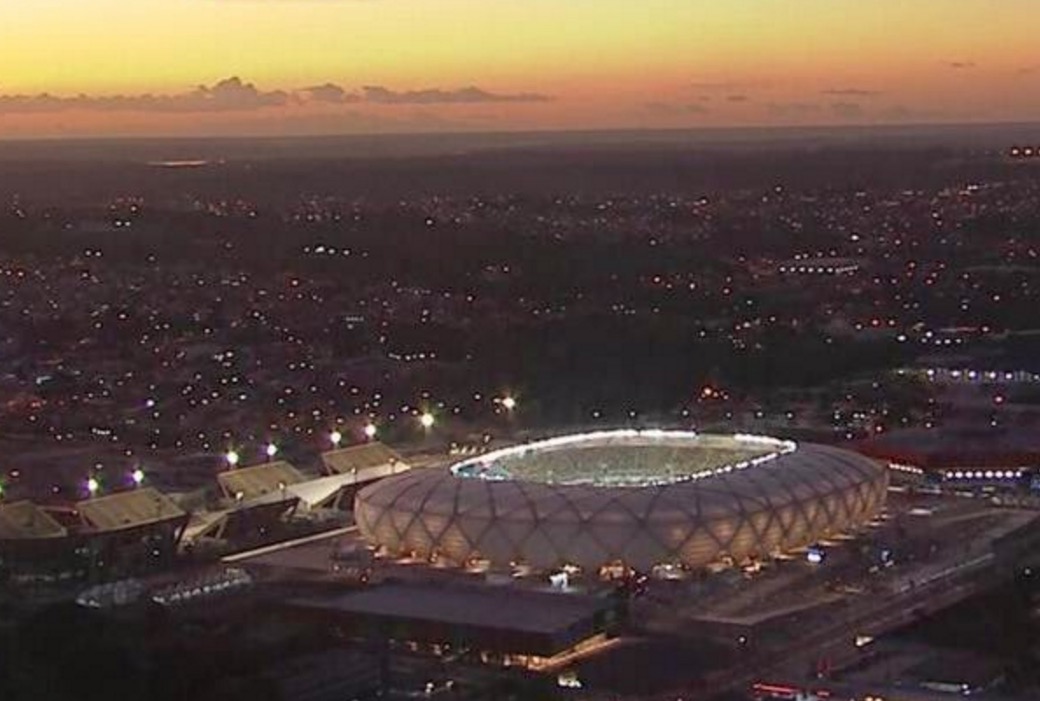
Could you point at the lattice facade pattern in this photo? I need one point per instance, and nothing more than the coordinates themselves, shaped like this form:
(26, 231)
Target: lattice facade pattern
(790, 502)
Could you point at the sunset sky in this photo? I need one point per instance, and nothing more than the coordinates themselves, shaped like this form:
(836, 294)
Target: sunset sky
(198, 67)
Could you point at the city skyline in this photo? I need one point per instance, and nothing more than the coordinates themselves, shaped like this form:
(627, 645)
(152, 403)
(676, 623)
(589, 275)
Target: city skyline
(310, 67)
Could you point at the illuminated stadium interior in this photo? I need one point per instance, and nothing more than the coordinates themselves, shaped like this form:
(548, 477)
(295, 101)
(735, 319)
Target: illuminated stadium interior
(641, 498)
(623, 458)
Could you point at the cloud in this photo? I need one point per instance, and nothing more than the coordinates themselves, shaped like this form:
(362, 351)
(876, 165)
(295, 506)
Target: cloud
(672, 109)
(737, 98)
(235, 95)
(847, 110)
(960, 65)
(725, 85)
(850, 92)
(329, 93)
(905, 113)
(468, 95)
(229, 94)
(721, 85)
(787, 109)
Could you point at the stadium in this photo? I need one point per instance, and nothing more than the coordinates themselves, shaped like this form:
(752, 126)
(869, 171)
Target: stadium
(638, 499)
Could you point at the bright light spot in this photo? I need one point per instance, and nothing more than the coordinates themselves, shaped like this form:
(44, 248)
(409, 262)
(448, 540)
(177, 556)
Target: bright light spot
(232, 458)
(93, 486)
(137, 476)
(509, 403)
(371, 430)
(426, 420)
(271, 450)
(336, 437)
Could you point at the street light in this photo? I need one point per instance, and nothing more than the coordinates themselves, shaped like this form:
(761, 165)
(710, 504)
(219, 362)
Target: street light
(426, 420)
(271, 451)
(232, 458)
(371, 430)
(335, 437)
(93, 486)
(509, 403)
(137, 476)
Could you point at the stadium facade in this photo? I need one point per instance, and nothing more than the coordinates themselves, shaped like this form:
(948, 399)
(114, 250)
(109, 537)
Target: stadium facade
(640, 499)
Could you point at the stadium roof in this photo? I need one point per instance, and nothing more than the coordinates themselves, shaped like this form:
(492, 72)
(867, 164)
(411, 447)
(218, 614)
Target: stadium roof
(373, 460)
(122, 510)
(23, 519)
(259, 480)
(749, 509)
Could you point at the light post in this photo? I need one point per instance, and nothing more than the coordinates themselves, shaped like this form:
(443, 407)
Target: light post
(271, 450)
(93, 486)
(336, 438)
(371, 430)
(232, 458)
(137, 476)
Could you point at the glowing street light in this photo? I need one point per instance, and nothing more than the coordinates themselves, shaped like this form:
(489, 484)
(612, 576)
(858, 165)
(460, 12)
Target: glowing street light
(93, 486)
(426, 420)
(232, 458)
(509, 403)
(137, 476)
(371, 430)
(336, 437)
(271, 450)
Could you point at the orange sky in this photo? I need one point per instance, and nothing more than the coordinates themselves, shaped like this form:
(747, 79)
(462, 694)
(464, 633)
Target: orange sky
(508, 64)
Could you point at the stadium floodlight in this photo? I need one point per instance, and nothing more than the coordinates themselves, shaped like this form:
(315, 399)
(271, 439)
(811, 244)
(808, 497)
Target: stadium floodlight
(232, 458)
(371, 430)
(271, 450)
(426, 420)
(137, 476)
(336, 437)
(93, 486)
(509, 403)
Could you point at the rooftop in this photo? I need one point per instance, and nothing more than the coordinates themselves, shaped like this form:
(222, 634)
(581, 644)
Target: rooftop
(358, 458)
(258, 480)
(137, 507)
(23, 519)
(500, 608)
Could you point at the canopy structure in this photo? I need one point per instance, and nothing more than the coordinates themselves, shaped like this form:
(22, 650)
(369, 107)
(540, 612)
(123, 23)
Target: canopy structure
(24, 520)
(245, 521)
(138, 508)
(256, 481)
(366, 462)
